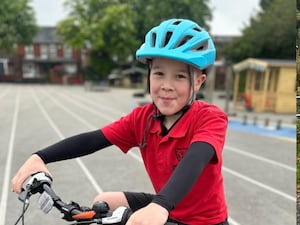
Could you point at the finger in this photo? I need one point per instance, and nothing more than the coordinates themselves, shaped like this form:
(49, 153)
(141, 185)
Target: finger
(16, 187)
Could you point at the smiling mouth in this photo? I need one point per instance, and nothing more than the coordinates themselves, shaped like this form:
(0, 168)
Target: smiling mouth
(166, 98)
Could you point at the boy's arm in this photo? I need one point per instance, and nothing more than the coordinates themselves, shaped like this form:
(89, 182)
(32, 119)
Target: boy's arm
(75, 146)
(187, 173)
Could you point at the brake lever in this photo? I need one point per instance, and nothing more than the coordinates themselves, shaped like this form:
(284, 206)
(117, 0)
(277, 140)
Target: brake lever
(23, 196)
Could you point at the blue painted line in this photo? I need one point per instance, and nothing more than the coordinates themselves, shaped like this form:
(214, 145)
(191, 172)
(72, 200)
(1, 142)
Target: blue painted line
(287, 132)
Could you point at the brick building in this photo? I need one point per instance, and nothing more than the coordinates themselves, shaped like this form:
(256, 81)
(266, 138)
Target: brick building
(46, 60)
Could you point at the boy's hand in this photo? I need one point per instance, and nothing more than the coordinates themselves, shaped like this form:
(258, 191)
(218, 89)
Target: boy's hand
(33, 165)
(152, 214)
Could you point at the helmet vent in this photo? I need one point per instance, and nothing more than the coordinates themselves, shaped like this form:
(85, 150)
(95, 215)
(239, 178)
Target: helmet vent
(184, 40)
(153, 40)
(167, 38)
(177, 22)
(201, 47)
(197, 29)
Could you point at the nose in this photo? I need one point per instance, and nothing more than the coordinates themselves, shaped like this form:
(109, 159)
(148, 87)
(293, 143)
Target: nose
(167, 84)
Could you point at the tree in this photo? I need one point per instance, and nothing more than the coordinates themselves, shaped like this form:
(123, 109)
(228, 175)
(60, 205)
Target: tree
(114, 29)
(17, 24)
(264, 4)
(271, 34)
(104, 27)
(152, 12)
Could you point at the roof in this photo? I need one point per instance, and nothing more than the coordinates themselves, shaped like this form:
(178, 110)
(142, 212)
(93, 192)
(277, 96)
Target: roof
(262, 64)
(47, 35)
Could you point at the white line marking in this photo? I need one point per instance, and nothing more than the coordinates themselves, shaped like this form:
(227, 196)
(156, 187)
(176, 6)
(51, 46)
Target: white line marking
(4, 194)
(89, 176)
(86, 123)
(76, 116)
(61, 136)
(135, 156)
(232, 221)
(236, 150)
(275, 191)
(293, 140)
(92, 110)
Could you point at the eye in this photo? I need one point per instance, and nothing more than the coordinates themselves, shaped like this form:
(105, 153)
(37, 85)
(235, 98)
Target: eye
(181, 76)
(158, 73)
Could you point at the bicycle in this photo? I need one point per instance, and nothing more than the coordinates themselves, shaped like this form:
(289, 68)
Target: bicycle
(99, 213)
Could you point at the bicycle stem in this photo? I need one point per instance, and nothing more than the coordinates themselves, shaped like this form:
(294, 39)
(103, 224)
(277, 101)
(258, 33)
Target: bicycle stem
(69, 210)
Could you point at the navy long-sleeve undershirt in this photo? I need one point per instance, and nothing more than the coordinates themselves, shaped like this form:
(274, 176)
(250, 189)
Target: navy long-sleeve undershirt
(187, 172)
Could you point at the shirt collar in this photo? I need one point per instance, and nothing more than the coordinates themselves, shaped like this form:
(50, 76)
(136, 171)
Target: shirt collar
(180, 128)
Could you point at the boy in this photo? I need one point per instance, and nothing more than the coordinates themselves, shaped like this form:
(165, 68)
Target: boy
(180, 139)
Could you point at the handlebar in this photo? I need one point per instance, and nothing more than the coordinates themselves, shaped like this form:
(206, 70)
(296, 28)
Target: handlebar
(99, 213)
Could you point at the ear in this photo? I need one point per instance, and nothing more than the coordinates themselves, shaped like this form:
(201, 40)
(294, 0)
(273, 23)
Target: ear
(200, 78)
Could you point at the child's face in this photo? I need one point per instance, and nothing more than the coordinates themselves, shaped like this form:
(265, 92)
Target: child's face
(170, 86)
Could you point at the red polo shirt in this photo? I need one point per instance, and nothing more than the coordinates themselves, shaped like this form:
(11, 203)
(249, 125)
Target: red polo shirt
(205, 203)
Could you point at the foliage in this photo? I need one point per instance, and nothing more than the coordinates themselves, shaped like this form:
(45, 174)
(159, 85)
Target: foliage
(264, 4)
(152, 12)
(271, 34)
(100, 65)
(104, 28)
(113, 29)
(89, 73)
(17, 24)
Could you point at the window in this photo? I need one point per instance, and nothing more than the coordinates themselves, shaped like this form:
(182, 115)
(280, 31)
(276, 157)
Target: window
(275, 74)
(71, 69)
(273, 79)
(2, 72)
(3, 66)
(28, 70)
(44, 51)
(67, 52)
(52, 51)
(29, 52)
(259, 82)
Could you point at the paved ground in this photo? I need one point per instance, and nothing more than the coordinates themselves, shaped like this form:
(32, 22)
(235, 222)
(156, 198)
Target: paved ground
(259, 168)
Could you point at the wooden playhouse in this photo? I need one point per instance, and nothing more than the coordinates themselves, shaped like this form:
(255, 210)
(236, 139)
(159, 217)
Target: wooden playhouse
(265, 85)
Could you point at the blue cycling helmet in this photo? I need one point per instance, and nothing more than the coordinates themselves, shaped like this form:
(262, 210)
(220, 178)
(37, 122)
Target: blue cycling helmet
(179, 39)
